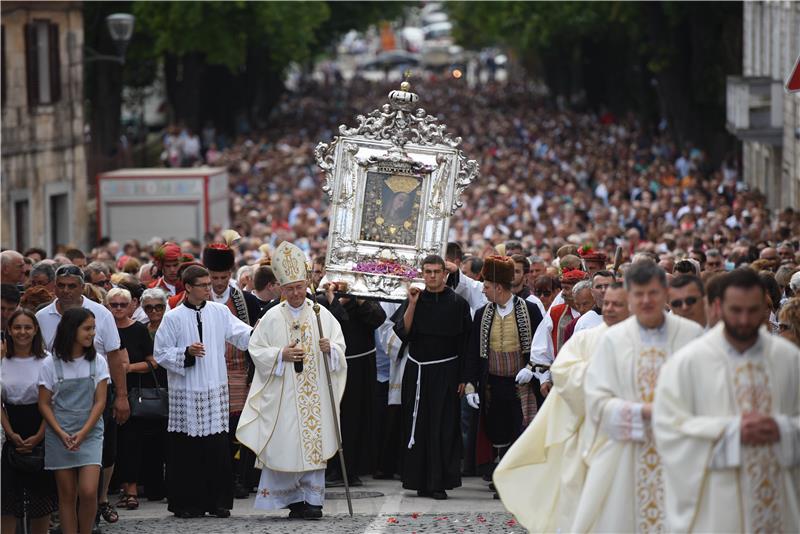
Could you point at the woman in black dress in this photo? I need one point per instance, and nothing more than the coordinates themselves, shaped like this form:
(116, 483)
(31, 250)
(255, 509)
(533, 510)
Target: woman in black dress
(24, 493)
(140, 440)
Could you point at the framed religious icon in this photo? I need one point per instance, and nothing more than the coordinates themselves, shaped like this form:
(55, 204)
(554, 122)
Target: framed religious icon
(393, 181)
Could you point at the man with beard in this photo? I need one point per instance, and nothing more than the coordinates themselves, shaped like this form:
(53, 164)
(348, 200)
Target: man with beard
(499, 346)
(726, 421)
(435, 325)
(623, 491)
(550, 449)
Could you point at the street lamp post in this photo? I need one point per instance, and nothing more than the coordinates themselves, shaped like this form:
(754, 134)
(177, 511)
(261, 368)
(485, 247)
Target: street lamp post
(120, 27)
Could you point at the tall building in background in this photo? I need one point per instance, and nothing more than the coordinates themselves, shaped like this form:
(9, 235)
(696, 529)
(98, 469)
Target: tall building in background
(44, 182)
(759, 111)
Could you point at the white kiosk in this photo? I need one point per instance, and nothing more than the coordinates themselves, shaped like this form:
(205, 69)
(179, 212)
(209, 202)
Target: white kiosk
(172, 204)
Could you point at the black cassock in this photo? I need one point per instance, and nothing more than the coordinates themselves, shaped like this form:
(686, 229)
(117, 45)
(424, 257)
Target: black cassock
(358, 322)
(440, 331)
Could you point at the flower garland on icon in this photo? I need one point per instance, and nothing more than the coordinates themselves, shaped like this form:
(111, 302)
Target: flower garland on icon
(386, 267)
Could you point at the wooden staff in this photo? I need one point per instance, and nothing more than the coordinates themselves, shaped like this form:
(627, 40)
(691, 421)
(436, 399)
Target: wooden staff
(335, 409)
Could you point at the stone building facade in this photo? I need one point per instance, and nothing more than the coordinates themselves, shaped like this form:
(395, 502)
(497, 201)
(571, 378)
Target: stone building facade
(760, 112)
(44, 183)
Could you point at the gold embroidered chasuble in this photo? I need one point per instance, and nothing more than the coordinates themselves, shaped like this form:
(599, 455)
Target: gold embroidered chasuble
(550, 448)
(288, 419)
(623, 490)
(713, 482)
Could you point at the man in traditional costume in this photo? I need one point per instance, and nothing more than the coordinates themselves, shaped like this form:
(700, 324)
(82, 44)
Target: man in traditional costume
(361, 319)
(726, 420)
(168, 259)
(288, 419)
(435, 325)
(624, 491)
(549, 451)
(601, 281)
(219, 259)
(593, 260)
(519, 284)
(191, 344)
(549, 336)
(499, 346)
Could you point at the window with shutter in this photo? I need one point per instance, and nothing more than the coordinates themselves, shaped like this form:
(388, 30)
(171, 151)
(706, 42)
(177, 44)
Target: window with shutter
(43, 63)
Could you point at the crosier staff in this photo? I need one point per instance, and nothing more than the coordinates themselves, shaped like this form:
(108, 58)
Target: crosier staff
(334, 407)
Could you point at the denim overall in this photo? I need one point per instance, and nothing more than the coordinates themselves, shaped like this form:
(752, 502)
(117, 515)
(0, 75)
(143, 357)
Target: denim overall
(72, 404)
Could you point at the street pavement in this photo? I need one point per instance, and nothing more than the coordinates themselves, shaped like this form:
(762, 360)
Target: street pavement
(469, 509)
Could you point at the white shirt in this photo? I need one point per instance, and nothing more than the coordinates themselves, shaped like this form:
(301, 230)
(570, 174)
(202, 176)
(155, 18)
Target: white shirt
(20, 379)
(106, 338)
(222, 299)
(198, 395)
(542, 349)
(77, 368)
(140, 316)
(588, 320)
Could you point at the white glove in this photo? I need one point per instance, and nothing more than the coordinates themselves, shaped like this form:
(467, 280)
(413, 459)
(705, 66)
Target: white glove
(474, 400)
(524, 376)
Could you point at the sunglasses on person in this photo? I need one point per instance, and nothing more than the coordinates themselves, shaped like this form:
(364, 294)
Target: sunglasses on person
(102, 283)
(150, 308)
(689, 301)
(119, 305)
(542, 293)
(69, 270)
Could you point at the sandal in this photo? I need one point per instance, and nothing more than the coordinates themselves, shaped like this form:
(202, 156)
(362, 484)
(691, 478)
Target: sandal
(133, 502)
(108, 512)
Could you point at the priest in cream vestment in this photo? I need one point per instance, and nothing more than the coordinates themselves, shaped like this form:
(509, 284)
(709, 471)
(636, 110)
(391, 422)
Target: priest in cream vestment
(288, 419)
(549, 451)
(726, 471)
(623, 489)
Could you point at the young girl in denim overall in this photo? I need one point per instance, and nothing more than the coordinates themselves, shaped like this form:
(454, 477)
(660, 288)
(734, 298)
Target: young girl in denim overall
(72, 395)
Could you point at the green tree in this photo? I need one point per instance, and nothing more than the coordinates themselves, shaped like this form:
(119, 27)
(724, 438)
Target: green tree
(659, 59)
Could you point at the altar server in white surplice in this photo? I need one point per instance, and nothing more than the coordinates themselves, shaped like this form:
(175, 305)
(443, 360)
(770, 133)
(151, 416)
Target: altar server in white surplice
(190, 345)
(727, 422)
(549, 451)
(623, 491)
(288, 419)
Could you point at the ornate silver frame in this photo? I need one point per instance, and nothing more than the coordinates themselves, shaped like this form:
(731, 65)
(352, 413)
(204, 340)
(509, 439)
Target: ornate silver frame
(405, 145)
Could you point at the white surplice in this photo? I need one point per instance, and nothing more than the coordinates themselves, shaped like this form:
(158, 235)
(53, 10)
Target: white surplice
(713, 482)
(288, 419)
(198, 395)
(623, 489)
(549, 451)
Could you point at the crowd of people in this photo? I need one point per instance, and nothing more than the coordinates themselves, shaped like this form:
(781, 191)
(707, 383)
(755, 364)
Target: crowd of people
(128, 365)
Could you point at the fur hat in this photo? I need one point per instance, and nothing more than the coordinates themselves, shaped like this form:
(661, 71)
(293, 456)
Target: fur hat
(218, 257)
(498, 269)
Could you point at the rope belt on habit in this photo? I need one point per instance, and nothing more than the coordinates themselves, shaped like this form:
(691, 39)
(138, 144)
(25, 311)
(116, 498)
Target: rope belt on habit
(354, 356)
(416, 398)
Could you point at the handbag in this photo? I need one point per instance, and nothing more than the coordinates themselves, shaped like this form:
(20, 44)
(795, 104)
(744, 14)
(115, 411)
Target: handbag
(33, 462)
(149, 403)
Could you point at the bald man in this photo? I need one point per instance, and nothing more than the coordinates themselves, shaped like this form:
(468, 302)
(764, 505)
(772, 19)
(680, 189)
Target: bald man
(12, 267)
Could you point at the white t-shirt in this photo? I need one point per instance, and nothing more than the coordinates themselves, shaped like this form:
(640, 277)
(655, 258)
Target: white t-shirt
(20, 379)
(106, 338)
(77, 368)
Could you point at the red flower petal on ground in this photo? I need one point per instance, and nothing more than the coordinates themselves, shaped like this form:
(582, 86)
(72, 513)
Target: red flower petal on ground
(391, 520)
(511, 522)
(414, 515)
